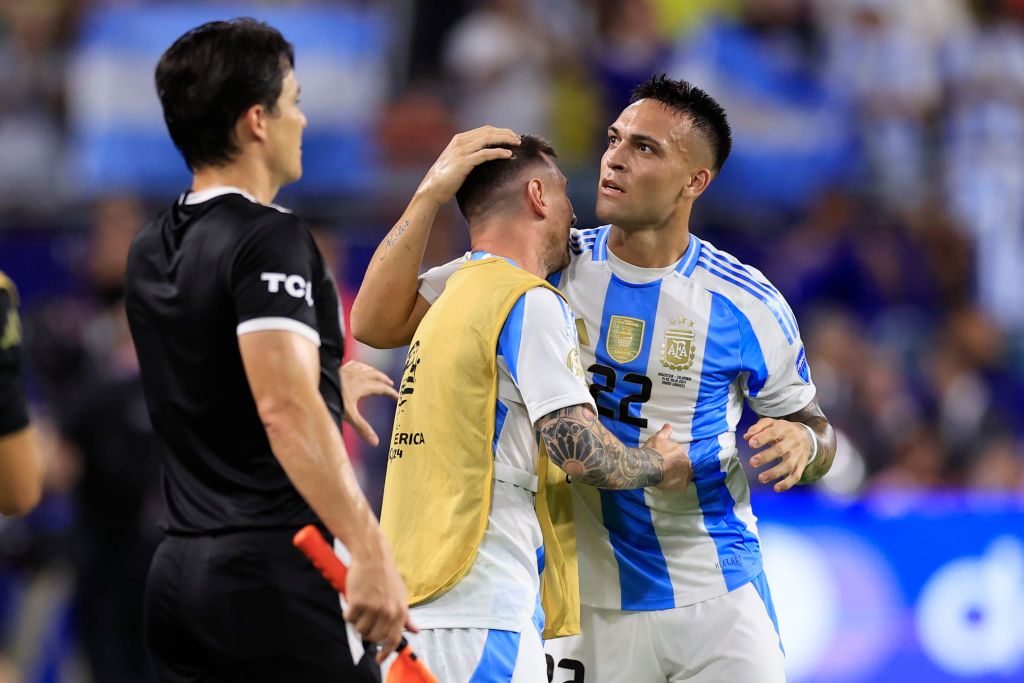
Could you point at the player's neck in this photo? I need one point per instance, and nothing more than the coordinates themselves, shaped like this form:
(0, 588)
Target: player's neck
(524, 255)
(653, 247)
(243, 173)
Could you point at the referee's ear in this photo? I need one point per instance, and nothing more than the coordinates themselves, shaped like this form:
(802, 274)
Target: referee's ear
(252, 125)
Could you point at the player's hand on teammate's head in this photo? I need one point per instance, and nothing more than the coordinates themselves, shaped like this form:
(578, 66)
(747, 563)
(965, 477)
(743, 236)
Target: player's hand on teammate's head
(465, 152)
(677, 468)
(359, 380)
(784, 444)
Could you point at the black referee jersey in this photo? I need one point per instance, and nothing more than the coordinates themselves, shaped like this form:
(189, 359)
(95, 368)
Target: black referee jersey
(214, 266)
(13, 409)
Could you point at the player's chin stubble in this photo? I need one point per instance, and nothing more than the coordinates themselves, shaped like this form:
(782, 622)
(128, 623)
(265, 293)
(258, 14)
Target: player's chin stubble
(556, 256)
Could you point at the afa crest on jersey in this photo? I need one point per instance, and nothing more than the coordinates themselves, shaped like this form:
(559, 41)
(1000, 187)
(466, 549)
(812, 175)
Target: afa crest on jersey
(625, 338)
(679, 347)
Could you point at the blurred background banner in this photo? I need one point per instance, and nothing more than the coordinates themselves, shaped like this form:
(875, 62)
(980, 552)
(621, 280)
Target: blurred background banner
(904, 587)
(117, 136)
(877, 179)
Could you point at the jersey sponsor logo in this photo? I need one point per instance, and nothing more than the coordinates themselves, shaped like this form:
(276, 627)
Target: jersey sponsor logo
(294, 285)
(802, 368)
(625, 338)
(679, 347)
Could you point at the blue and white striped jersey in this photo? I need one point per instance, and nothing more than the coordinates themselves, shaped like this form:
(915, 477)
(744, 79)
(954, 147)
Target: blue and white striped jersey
(686, 345)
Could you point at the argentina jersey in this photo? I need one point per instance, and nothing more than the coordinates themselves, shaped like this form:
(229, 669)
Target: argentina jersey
(686, 345)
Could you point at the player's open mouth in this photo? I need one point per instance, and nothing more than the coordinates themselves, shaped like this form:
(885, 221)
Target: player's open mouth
(608, 187)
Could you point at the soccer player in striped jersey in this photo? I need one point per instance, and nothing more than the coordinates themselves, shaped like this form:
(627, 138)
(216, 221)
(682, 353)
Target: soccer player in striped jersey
(671, 330)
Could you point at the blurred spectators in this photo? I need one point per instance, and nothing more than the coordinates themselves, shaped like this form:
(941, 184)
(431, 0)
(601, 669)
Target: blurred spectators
(32, 65)
(877, 179)
(766, 70)
(629, 48)
(889, 68)
(499, 57)
(984, 150)
(101, 413)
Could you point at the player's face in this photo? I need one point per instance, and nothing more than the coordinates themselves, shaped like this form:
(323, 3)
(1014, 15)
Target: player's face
(652, 156)
(284, 131)
(562, 217)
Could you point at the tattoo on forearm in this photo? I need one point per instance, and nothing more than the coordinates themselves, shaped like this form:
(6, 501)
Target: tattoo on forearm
(578, 443)
(812, 416)
(392, 239)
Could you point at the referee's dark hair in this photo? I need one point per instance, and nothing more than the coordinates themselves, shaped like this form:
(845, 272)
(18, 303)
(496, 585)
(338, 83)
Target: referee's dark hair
(486, 184)
(707, 114)
(211, 76)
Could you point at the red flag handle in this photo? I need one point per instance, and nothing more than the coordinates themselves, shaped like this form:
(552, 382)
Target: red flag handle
(312, 544)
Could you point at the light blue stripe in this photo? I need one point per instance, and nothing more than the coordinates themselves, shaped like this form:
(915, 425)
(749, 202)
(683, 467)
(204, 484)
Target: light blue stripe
(511, 337)
(644, 581)
(689, 260)
(498, 660)
(538, 616)
(722, 364)
(737, 270)
(761, 586)
(500, 413)
(538, 609)
(711, 268)
(555, 278)
(751, 357)
(601, 243)
(148, 30)
(739, 553)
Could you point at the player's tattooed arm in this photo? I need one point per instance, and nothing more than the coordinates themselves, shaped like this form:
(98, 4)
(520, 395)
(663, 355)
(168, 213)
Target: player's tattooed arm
(812, 416)
(578, 443)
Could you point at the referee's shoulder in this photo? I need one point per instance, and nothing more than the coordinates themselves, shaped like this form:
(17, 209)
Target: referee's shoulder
(252, 221)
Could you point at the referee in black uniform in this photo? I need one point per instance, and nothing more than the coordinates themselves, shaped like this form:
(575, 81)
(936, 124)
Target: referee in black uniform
(21, 464)
(235, 320)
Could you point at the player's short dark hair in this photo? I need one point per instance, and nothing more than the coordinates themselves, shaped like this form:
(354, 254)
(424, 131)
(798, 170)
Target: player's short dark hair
(704, 111)
(211, 76)
(484, 185)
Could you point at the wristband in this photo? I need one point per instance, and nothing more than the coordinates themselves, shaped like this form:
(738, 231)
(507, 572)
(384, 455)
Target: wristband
(814, 443)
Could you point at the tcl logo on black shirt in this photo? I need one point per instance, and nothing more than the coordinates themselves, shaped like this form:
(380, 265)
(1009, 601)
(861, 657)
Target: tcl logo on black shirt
(197, 276)
(294, 285)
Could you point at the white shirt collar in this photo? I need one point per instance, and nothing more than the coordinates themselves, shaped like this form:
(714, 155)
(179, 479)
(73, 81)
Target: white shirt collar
(636, 274)
(189, 198)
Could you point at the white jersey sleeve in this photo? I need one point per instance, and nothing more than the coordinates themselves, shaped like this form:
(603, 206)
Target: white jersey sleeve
(777, 379)
(433, 281)
(541, 350)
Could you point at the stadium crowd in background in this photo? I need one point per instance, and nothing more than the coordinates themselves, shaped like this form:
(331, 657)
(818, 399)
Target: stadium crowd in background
(877, 175)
